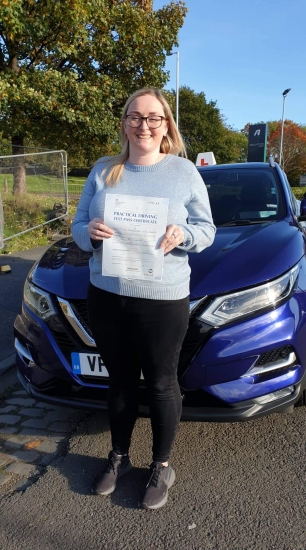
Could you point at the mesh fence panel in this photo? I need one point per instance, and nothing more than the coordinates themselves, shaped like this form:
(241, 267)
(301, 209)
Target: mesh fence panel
(34, 190)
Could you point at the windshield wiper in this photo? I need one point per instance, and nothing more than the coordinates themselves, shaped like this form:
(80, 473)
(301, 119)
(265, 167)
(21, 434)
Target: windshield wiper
(242, 222)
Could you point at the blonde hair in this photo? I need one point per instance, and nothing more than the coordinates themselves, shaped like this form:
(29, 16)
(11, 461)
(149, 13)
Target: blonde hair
(171, 143)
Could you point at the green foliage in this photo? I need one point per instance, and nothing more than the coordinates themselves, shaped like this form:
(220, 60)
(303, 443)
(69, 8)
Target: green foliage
(67, 66)
(203, 128)
(298, 192)
(234, 146)
(22, 212)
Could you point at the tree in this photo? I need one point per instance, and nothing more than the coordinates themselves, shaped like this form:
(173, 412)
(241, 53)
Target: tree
(293, 148)
(234, 147)
(67, 67)
(203, 128)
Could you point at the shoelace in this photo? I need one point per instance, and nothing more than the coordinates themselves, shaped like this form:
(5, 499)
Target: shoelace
(112, 465)
(155, 476)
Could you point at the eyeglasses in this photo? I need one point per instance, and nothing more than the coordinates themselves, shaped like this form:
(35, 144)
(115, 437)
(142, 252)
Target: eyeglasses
(152, 121)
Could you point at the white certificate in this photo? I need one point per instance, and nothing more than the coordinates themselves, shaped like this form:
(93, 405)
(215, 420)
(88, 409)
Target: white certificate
(139, 224)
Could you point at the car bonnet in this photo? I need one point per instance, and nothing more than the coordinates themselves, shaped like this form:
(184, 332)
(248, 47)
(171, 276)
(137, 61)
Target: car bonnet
(244, 256)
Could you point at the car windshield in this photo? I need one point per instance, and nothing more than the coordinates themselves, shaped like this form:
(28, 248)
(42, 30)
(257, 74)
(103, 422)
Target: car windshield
(243, 195)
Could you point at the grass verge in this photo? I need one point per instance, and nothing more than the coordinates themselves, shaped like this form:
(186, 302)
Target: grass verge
(30, 210)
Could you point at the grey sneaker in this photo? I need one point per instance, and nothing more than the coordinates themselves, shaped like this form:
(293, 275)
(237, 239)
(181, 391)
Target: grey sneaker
(162, 478)
(117, 466)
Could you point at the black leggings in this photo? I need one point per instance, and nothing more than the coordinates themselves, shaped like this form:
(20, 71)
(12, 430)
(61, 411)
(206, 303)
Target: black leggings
(134, 334)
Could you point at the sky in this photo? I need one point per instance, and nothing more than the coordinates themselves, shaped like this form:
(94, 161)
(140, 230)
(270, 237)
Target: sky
(243, 54)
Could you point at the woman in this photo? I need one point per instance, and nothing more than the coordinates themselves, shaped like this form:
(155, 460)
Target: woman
(139, 325)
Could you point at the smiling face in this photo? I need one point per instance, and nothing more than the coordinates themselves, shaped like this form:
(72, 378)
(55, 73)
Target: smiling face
(144, 142)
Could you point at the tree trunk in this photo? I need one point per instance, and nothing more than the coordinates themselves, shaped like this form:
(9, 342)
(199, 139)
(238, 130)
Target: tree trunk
(19, 168)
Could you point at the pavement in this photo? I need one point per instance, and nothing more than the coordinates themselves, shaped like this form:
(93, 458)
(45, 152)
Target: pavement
(32, 435)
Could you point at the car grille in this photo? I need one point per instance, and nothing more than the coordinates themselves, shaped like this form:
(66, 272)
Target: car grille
(80, 309)
(274, 355)
(67, 344)
(68, 340)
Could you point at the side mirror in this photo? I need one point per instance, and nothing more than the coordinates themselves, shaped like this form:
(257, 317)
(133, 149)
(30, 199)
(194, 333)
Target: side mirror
(303, 210)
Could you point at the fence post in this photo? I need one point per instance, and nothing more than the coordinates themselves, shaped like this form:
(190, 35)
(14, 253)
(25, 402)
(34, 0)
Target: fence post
(5, 186)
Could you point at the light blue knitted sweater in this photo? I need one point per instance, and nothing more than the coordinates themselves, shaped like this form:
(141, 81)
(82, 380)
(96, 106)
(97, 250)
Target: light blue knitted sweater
(174, 178)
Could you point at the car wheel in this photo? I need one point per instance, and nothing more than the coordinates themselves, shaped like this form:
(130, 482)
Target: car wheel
(302, 401)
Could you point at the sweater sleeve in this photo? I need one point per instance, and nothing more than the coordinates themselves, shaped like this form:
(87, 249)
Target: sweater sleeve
(199, 230)
(79, 226)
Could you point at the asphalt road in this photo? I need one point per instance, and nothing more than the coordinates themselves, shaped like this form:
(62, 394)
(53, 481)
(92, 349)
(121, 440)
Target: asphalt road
(239, 487)
(11, 289)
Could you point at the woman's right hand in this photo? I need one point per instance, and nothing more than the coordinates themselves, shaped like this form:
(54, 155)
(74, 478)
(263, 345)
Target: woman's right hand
(98, 231)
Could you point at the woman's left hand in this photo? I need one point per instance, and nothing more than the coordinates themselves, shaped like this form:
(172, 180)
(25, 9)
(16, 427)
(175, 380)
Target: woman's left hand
(174, 237)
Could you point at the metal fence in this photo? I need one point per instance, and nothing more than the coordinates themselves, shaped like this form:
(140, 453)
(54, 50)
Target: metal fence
(74, 189)
(34, 191)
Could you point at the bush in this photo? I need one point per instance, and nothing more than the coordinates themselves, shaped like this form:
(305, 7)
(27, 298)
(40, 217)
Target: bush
(298, 192)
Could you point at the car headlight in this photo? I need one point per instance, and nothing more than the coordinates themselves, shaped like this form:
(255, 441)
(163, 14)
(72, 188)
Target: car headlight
(230, 306)
(38, 301)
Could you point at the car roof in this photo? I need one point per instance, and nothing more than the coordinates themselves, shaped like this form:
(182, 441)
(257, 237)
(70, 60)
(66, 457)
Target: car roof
(236, 166)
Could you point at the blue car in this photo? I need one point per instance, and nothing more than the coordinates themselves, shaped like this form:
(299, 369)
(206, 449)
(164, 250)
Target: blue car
(244, 355)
